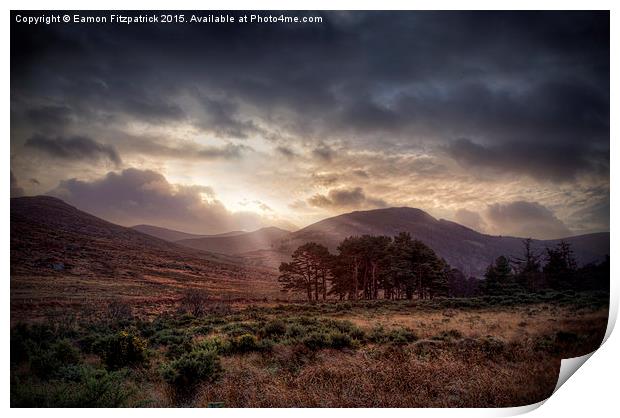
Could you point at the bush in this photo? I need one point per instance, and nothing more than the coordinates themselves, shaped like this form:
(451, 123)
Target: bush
(380, 335)
(402, 336)
(188, 371)
(341, 340)
(215, 344)
(88, 388)
(119, 311)
(47, 363)
(274, 328)
(317, 340)
(452, 334)
(295, 331)
(492, 346)
(194, 301)
(121, 350)
(244, 344)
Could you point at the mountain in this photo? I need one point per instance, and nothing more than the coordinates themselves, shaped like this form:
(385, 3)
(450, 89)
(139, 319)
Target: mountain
(461, 247)
(246, 242)
(173, 236)
(60, 254)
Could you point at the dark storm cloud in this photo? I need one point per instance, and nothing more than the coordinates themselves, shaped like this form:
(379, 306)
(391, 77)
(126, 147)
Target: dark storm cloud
(523, 94)
(50, 117)
(345, 199)
(539, 160)
(74, 148)
(222, 118)
(385, 79)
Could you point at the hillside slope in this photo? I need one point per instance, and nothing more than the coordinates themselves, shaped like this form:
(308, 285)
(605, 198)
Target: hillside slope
(59, 253)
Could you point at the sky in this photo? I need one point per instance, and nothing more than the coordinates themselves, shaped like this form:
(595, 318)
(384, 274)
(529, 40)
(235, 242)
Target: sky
(496, 120)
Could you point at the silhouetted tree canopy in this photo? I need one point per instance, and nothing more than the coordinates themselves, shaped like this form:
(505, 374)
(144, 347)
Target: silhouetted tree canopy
(400, 267)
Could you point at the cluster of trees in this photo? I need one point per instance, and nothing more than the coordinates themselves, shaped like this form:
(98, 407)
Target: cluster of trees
(370, 267)
(555, 268)
(367, 267)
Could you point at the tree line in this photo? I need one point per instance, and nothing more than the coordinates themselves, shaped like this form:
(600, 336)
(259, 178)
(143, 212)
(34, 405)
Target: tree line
(400, 267)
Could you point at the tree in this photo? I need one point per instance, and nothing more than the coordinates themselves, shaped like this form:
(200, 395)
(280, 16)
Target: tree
(367, 266)
(308, 271)
(528, 274)
(415, 268)
(561, 268)
(361, 266)
(460, 286)
(498, 277)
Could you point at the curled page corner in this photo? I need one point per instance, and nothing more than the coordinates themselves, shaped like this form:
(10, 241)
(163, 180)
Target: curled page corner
(568, 367)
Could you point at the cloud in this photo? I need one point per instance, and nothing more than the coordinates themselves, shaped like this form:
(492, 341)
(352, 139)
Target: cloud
(345, 199)
(186, 150)
(74, 148)
(16, 191)
(135, 196)
(286, 151)
(522, 114)
(524, 219)
(470, 219)
(324, 153)
(222, 118)
(50, 116)
(537, 160)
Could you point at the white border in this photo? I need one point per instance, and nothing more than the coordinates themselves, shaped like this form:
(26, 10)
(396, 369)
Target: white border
(594, 390)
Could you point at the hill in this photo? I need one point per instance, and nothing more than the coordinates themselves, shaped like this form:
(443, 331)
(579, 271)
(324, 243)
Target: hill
(462, 247)
(61, 255)
(173, 236)
(246, 242)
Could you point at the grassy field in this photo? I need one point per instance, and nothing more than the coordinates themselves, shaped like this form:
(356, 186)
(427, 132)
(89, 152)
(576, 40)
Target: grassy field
(482, 352)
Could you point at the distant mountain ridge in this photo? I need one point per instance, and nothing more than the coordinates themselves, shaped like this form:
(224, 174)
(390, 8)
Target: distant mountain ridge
(260, 239)
(462, 247)
(174, 235)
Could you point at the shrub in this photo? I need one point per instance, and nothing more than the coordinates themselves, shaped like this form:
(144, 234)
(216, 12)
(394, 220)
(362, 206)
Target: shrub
(492, 346)
(295, 331)
(179, 348)
(215, 344)
(317, 340)
(19, 348)
(47, 363)
(341, 340)
(378, 335)
(88, 388)
(188, 371)
(452, 334)
(119, 311)
(238, 329)
(274, 328)
(194, 301)
(402, 336)
(244, 344)
(121, 350)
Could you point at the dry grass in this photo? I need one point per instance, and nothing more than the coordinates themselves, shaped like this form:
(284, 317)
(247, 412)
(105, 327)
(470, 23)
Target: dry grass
(473, 357)
(410, 377)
